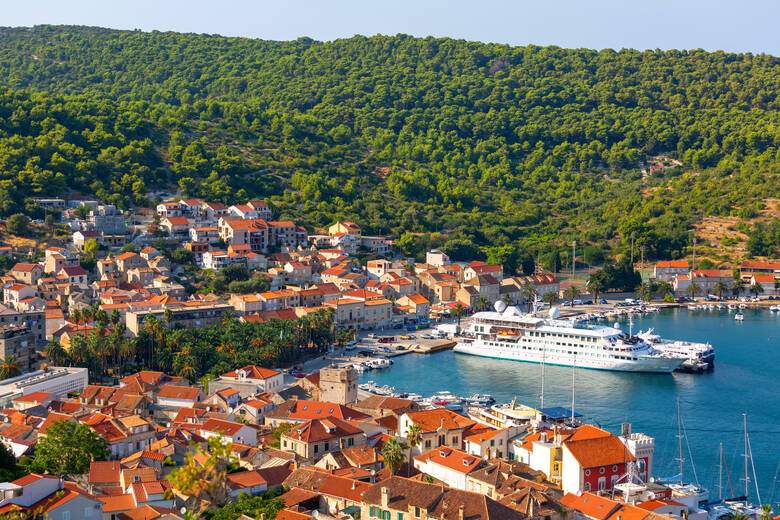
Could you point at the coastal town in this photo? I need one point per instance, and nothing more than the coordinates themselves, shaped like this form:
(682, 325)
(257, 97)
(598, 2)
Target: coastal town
(212, 354)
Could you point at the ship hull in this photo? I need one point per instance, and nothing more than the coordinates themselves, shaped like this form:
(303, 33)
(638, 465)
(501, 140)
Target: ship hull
(662, 365)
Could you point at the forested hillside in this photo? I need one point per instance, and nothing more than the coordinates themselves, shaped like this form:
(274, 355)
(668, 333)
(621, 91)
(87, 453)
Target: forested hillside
(442, 142)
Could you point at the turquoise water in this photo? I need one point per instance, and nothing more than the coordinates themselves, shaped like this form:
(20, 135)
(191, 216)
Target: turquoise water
(745, 380)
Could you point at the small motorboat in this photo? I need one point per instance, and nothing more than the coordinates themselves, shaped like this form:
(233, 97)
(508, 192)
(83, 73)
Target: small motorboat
(739, 316)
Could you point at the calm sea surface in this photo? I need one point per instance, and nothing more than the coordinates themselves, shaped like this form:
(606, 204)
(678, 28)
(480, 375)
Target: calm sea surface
(746, 379)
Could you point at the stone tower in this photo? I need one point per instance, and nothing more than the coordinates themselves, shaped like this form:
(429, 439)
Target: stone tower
(338, 384)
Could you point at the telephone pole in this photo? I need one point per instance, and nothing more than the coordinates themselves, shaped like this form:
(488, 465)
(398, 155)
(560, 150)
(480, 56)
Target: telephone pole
(693, 266)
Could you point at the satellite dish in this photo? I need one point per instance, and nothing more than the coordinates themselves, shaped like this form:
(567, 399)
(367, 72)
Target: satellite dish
(616, 325)
(554, 312)
(499, 306)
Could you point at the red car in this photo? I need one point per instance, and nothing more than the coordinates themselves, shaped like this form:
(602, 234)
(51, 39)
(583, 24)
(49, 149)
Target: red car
(299, 375)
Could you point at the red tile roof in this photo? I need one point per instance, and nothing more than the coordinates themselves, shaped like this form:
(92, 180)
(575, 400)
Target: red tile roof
(21, 266)
(228, 428)
(432, 420)
(322, 429)
(305, 409)
(35, 397)
(254, 372)
(679, 264)
(455, 460)
(593, 447)
(590, 505)
(188, 393)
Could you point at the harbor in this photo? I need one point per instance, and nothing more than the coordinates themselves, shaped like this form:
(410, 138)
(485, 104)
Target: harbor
(743, 381)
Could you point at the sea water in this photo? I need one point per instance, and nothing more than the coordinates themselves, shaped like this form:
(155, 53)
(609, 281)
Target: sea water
(746, 379)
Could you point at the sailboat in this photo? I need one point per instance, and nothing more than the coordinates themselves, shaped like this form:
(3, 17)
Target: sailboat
(680, 489)
(726, 508)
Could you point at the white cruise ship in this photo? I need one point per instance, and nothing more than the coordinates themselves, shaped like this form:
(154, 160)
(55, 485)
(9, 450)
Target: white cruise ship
(507, 333)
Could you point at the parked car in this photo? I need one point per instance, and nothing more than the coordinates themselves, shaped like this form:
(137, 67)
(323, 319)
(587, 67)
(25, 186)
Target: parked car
(372, 336)
(603, 301)
(299, 375)
(426, 336)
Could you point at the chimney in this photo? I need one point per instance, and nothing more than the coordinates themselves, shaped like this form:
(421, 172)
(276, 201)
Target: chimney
(385, 496)
(462, 512)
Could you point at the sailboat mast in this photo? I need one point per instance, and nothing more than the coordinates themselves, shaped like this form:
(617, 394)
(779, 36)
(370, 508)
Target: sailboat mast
(720, 471)
(679, 439)
(541, 404)
(573, 368)
(747, 477)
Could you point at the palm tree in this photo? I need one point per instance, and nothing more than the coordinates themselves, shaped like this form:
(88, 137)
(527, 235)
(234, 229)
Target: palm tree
(414, 437)
(394, 453)
(693, 289)
(596, 287)
(507, 299)
(10, 367)
(664, 288)
(458, 311)
(127, 349)
(481, 303)
(55, 353)
(571, 293)
(736, 286)
(644, 291)
(766, 512)
(168, 317)
(756, 289)
(720, 288)
(529, 294)
(550, 297)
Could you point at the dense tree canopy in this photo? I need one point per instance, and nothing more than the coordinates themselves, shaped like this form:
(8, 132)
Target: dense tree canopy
(67, 449)
(461, 145)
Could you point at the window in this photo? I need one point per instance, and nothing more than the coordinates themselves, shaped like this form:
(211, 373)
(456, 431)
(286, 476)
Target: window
(351, 441)
(587, 472)
(428, 443)
(327, 446)
(399, 516)
(587, 486)
(602, 483)
(417, 512)
(66, 515)
(601, 470)
(316, 448)
(614, 468)
(492, 442)
(455, 441)
(372, 512)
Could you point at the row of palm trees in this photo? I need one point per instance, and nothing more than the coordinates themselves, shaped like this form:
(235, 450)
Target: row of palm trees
(737, 287)
(528, 295)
